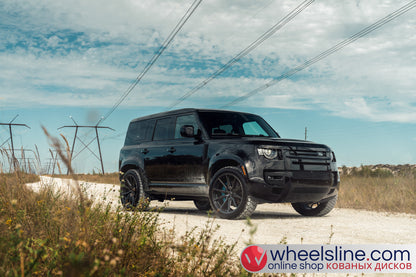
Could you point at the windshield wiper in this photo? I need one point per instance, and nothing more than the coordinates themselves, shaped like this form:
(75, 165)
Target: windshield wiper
(254, 136)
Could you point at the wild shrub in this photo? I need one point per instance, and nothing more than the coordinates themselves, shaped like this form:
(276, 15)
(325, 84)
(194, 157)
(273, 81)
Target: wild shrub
(53, 233)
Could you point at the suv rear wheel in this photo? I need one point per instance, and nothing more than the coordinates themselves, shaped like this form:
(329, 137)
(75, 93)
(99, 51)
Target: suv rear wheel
(132, 190)
(229, 196)
(315, 209)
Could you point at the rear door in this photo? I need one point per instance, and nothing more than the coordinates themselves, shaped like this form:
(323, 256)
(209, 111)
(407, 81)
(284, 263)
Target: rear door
(158, 167)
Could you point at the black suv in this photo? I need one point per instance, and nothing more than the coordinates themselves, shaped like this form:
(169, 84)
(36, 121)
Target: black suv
(225, 161)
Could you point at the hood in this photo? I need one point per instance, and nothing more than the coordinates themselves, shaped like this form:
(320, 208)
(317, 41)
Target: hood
(294, 143)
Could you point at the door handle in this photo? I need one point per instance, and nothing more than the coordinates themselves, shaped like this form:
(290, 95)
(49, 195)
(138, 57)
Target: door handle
(171, 150)
(145, 151)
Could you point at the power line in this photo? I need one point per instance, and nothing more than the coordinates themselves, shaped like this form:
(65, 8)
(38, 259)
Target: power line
(247, 50)
(328, 52)
(159, 52)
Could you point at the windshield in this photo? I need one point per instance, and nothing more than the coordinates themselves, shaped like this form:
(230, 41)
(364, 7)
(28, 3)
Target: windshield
(235, 124)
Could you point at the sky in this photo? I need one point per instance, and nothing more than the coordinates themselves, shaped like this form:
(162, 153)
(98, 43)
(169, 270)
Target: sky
(77, 58)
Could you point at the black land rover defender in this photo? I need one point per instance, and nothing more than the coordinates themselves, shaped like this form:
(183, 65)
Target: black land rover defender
(225, 161)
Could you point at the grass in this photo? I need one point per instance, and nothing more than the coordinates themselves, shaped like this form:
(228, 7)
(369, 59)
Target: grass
(378, 190)
(52, 234)
(107, 178)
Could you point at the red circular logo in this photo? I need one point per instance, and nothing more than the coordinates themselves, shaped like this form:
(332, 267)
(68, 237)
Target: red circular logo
(253, 258)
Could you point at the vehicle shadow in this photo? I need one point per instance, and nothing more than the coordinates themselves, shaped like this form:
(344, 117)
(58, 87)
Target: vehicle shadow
(257, 215)
(274, 215)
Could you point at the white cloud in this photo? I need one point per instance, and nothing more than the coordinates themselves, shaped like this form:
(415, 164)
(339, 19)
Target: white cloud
(88, 52)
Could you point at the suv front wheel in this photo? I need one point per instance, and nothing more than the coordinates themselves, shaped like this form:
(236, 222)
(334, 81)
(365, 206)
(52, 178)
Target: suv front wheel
(229, 196)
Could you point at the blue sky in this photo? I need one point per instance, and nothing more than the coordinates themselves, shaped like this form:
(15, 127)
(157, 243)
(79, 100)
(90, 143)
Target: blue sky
(76, 58)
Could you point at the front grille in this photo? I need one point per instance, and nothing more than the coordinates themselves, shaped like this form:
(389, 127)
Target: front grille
(312, 175)
(318, 178)
(322, 154)
(310, 163)
(309, 159)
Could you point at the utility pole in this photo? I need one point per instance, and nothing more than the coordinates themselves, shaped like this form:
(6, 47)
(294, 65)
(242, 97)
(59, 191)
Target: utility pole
(96, 127)
(306, 133)
(10, 124)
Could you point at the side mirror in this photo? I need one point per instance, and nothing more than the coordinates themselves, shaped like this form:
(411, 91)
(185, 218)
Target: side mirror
(187, 131)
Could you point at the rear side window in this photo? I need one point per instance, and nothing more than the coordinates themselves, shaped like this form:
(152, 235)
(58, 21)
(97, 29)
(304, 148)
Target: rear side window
(139, 131)
(164, 129)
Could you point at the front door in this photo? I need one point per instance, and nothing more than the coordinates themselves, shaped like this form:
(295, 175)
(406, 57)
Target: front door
(174, 164)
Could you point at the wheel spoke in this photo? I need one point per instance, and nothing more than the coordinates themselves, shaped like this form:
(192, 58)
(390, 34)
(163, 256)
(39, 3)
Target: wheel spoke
(222, 205)
(126, 192)
(234, 189)
(228, 182)
(233, 184)
(235, 204)
(224, 185)
(219, 197)
(129, 184)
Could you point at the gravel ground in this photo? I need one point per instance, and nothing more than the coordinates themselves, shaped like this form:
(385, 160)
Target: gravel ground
(274, 222)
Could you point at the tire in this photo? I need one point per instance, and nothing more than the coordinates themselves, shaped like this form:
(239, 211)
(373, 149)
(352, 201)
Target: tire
(132, 192)
(228, 194)
(202, 205)
(315, 209)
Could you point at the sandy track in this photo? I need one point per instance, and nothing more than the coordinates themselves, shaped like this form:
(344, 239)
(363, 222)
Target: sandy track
(274, 221)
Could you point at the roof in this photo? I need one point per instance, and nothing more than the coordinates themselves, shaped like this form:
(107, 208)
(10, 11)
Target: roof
(180, 111)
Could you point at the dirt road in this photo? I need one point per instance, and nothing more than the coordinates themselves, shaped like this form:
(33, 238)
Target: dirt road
(274, 222)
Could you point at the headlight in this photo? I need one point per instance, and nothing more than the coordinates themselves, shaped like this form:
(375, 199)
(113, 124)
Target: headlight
(268, 153)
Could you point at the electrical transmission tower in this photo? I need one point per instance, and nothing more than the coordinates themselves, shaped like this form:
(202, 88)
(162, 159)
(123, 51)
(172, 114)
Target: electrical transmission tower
(53, 161)
(96, 127)
(11, 124)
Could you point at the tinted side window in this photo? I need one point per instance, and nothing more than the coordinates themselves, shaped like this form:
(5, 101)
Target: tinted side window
(139, 131)
(185, 120)
(164, 129)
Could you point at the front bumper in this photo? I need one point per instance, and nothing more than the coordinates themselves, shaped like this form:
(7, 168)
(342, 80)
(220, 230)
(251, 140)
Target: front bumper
(294, 186)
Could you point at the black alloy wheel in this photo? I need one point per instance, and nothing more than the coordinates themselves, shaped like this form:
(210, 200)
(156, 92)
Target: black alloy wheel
(229, 196)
